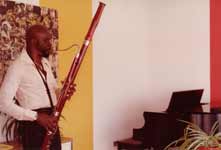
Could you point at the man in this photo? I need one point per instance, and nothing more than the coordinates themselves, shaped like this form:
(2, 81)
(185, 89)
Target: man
(30, 80)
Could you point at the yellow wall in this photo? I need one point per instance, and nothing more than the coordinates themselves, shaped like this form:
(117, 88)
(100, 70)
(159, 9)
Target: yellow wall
(74, 20)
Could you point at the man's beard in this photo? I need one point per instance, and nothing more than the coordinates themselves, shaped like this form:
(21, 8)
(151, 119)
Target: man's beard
(45, 53)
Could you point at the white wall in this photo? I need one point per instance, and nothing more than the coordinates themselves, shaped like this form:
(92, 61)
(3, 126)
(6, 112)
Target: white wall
(3, 117)
(142, 51)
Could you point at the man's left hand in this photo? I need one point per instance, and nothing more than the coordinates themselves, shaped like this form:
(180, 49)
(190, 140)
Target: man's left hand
(71, 91)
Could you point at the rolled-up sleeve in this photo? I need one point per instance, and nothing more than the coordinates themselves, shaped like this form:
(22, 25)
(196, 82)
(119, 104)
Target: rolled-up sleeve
(8, 90)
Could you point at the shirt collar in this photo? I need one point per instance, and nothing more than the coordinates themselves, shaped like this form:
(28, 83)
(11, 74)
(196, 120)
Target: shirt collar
(27, 59)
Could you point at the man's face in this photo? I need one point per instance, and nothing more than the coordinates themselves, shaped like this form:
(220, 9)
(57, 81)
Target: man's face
(43, 43)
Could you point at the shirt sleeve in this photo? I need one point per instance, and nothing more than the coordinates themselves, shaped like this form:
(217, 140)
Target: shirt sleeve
(8, 90)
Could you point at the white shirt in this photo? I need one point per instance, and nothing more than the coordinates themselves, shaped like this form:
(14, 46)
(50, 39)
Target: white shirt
(24, 81)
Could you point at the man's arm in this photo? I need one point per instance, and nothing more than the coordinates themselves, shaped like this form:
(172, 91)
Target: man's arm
(7, 92)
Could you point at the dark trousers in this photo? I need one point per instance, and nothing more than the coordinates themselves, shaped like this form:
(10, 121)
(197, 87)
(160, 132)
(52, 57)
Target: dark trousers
(32, 134)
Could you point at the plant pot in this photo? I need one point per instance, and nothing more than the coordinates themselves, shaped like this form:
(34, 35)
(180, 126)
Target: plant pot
(208, 148)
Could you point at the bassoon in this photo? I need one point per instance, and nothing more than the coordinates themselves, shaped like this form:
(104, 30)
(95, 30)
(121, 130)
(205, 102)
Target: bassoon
(69, 80)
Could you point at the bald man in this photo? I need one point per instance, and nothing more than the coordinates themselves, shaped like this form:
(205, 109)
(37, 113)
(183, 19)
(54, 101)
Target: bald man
(30, 80)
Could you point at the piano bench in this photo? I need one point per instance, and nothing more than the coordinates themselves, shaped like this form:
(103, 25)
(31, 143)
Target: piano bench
(129, 144)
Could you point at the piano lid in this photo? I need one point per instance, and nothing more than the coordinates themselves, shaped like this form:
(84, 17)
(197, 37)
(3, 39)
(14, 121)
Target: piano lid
(185, 100)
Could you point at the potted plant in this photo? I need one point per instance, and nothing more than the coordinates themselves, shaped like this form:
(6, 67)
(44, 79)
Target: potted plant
(196, 139)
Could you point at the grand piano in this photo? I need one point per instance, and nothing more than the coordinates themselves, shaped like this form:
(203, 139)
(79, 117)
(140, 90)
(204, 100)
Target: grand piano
(163, 127)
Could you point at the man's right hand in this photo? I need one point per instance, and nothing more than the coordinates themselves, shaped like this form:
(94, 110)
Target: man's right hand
(47, 121)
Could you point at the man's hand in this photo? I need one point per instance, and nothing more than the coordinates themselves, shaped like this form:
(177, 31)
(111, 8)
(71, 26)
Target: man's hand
(47, 121)
(71, 91)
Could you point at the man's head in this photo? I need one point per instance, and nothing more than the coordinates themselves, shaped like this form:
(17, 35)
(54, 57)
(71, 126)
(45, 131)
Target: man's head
(38, 40)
